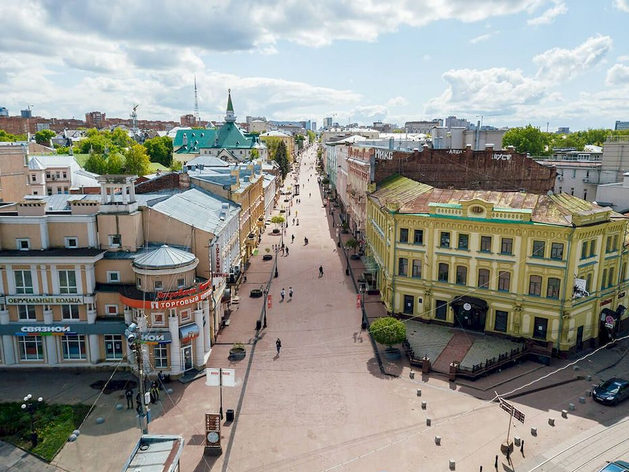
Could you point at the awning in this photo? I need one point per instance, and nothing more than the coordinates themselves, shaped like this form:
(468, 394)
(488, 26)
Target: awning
(370, 264)
(188, 331)
(605, 312)
(477, 303)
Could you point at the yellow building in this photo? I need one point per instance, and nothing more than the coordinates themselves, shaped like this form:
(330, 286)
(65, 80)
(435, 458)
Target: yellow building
(505, 263)
(272, 139)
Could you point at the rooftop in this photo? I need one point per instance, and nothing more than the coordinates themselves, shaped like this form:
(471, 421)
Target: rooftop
(155, 453)
(165, 257)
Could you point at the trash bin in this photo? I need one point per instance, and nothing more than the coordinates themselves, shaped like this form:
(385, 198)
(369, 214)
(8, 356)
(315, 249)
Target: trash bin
(229, 416)
(258, 325)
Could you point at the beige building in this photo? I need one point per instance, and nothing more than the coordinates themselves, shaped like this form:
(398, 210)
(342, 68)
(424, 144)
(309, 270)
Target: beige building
(14, 175)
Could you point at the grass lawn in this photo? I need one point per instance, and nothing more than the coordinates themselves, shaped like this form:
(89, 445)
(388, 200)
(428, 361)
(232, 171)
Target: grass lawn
(157, 166)
(53, 423)
(81, 158)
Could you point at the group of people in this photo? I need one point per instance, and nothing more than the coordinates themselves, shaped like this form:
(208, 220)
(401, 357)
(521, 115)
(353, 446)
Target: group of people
(290, 293)
(156, 386)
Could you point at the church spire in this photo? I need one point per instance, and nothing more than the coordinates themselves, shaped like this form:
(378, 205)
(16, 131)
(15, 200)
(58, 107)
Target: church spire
(229, 116)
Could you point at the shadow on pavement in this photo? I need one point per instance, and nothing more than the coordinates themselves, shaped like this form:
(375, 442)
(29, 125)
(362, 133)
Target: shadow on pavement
(391, 368)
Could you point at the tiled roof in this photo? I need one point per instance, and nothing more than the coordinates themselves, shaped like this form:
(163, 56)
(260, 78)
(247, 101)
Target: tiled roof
(228, 136)
(415, 197)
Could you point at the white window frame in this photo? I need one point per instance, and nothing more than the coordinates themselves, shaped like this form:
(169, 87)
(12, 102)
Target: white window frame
(160, 356)
(110, 312)
(19, 241)
(156, 288)
(68, 341)
(23, 289)
(182, 284)
(110, 276)
(112, 238)
(72, 310)
(23, 340)
(113, 339)
(69, 239)
(67, 288)
(186, 315)
(28, 310)
(156, 322)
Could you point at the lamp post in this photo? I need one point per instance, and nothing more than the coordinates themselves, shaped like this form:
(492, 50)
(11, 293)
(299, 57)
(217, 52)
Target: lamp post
(30, 406)
(277, 250)
(338, 237)
(363, 289)
(132, 333)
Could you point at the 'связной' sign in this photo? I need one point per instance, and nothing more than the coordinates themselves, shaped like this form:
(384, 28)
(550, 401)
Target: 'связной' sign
(45, 331)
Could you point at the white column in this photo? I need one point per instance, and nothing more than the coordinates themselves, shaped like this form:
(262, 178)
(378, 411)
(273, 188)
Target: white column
(175, 346)
(8, 354)
(50, 345)
(207, 313)
(79, 279)
(48, 315)
(10, 279)
(33, 269)
(90, 279)
(199, 351)
(94, 348)
(55, 279)
(91, 233)
(132, 192)
(44, 279)
(125, 196)
(43, 232)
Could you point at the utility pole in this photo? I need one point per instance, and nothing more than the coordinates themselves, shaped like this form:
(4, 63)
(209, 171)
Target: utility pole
(134, 339)
(196, 103)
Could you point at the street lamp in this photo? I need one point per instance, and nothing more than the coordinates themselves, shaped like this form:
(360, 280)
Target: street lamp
(30, 406)
(363, 289)
(132, 333)
(338, 237)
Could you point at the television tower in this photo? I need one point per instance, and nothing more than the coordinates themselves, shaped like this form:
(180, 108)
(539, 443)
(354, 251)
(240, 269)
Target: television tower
(196, 102)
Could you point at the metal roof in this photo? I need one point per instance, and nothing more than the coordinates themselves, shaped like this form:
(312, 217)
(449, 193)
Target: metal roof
(165, 257)
(155, 453)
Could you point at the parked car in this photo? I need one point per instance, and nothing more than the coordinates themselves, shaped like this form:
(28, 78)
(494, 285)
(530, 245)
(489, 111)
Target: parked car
(611, 392)
(616, 466)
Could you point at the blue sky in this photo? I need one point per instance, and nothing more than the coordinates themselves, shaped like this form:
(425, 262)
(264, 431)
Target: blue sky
(560, 62)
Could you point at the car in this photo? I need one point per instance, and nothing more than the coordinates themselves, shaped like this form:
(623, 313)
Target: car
(612, 391)
(616, 466)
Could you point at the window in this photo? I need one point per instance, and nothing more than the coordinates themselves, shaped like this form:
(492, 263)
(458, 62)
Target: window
(485, 244)
(113, 347)
(403, 235)
(540, 328)
(157, 285)
(23, 244)
(65, 190)
(181, 283)
(403, 266)
(584, 250)
(501, 321)
(186, 315)
(158, 319)
(461, 275)
(535, 285)
(552, 291)
(483, 278)
(26, 312)
(610, 279)
(585, 194)
(72, 242)
(139, 282)
(464, 241)
(506, 246)
(160, 353)
(409, 307)
(588, 282)
(47, 175)
(113, 277)
(65, 175)
(444, 240)
(604, 279)
(115, 240)
(33, 178)
(70, 312)
(111, 310)
(593, 248)
(539, 248)
(73, 346)
(67, 281)
(418, 236)
(556, 251)
(31, 348)
(441, 312)
(23, 281)
(608, 244)
(443, 272)
(49, 191)
(615, 244)
(504, 281)
(417, 269)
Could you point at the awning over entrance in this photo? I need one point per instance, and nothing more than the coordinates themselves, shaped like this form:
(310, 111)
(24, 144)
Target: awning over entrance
(477, 303)
(369, 263)
(188, 331)
(605, 312)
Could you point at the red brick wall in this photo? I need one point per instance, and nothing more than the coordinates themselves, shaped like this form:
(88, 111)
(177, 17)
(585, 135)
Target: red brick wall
(174, 180)
(502, 170)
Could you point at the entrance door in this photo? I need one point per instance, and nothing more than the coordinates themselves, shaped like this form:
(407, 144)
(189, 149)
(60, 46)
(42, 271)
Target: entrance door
(469, 317)
(186, 358)
(409, 307)
(579, 338)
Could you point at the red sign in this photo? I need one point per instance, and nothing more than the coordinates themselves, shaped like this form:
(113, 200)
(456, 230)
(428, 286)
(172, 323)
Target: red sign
(184, 293)
(606, 302)
(357, 301)
(161, 304)
(269, 302)
(218, 258)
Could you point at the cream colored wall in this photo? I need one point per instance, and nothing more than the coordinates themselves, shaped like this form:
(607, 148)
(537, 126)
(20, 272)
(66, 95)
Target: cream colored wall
(127, 276)
(169, 282)
(57, 232)
(108, 298)
(14, 175)
(128, 226)
(11, 232)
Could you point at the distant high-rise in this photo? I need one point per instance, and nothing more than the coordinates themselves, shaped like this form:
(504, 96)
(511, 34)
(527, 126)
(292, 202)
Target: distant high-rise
(26, 113)
(188, 120)
(327, 122)
(454, 122)
(95, 119)
(4, 111)
(622, 126)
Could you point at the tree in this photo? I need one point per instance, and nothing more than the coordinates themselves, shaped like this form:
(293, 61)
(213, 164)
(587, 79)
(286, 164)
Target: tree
(96, 163)
(311, 136)
(299, 140)
(176, 166)
(272, 143)
(160, 149)
(277, 221)
(281, 157)
(44, 136)
(136, 161)
(11, 138)
(352, 244)
(115, 163)
(388, 331)
(119, 138)
(528, 140)
(254, 154)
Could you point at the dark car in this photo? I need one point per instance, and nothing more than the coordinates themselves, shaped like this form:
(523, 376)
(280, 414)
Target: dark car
(611, 392)
(616, 466)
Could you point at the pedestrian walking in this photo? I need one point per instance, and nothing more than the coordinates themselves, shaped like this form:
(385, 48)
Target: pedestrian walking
(320, 271)
(138, 402)
(160, 375)
(278, 346)
(290, 292)
(292, 239)
(310, 195)
(283, 246)
(129, 396)
(283, 294)
(287, 251)
(293, 221)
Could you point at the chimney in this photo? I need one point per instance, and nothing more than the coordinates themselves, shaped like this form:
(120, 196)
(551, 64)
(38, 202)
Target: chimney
(31, 208)
(489, 147)
(84, 207)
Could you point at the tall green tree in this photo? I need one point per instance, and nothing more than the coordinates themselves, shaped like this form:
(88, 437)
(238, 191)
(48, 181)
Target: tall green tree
(311, 136)
(527, 140)
(96, 163)
(160, 149)
(11, 138)
(137, 161)
(299, 141)
(44, 136)
(115, 163)
(281, 157)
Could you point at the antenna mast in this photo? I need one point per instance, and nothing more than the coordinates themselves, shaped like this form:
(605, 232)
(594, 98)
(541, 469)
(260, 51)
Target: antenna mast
(196, 102)
(134, 120)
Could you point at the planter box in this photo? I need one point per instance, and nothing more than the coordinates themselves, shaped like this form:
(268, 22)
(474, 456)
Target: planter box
(276, 231)
(255, 293)
(354, 257)
(267, 257)
(237, 354)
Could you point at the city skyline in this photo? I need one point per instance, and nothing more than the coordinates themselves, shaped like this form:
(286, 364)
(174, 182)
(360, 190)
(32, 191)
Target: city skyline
(512, 62)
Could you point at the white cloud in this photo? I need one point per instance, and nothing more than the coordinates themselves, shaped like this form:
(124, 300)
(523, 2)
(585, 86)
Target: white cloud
(622, 5)
(560, 64)
(481, 38)
(622, 58)
(368, 114)
(618, 75)
(397, 102)
(549, 15)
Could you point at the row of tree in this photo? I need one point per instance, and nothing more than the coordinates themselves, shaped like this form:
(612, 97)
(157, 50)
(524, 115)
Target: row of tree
(133, 161)
(535, 142)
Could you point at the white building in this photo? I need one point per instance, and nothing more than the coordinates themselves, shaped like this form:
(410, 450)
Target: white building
(615, 195)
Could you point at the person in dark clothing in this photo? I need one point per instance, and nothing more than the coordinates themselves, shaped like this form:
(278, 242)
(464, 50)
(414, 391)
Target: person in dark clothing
(278, 346)
(129, 396)
(321, 271)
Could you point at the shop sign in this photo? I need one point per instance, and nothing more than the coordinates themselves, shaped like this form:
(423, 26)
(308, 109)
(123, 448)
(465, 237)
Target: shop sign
(620, 295)
(606, 302)
(384, 154)
(501, 157)
(156, 338)
(183, 293)
(45, 300)
(45, 331)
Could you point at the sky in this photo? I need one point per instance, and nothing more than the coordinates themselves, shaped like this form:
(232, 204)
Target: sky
(550, 63)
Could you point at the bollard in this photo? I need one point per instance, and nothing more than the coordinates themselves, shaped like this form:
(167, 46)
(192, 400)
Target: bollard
(100, 420)
(533, 431)
(72, 438)
(419, 392)
(588, 393)
(76, 432)
(428, 421)
(516, 441)
(119, 406)
(564, 413)
(588, 378)
(412, 374)
(571, 407)
(424, 404)
(452, 464)
(581, 399)
(438, 440)
(576, 367)
(551, 421)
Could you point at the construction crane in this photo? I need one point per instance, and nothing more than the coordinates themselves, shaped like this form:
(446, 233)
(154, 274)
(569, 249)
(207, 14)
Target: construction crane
(134, 120)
